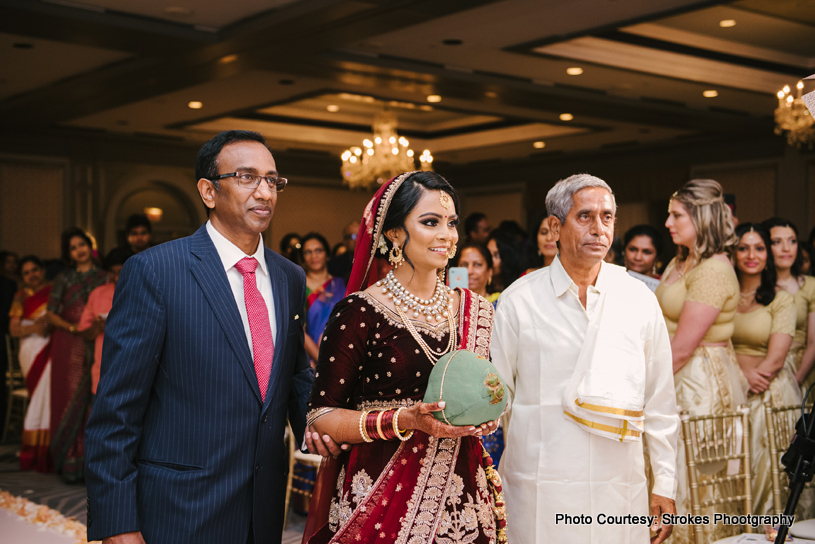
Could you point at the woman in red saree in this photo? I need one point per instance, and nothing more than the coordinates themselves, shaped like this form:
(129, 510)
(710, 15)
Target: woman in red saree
(27, 323)
(408, 478)
(71, 359)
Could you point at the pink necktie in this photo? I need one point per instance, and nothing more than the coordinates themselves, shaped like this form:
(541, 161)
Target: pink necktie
(262, 341)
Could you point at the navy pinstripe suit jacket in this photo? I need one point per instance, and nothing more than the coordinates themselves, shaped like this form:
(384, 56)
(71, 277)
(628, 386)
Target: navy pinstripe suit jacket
(179, 445)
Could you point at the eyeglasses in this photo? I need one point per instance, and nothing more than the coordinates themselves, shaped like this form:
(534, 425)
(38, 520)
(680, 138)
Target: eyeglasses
(252, 181)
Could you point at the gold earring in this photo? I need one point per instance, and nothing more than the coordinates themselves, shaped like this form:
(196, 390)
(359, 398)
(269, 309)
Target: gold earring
(451, 251)
(395, 255)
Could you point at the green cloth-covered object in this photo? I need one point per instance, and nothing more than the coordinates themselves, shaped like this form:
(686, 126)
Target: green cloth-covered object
(469, 385)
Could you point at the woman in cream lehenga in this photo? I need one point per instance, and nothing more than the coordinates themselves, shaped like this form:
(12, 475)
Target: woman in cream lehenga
(699, 295)
(407, 477)
(784, 240)
(27, 323)
(764, 327)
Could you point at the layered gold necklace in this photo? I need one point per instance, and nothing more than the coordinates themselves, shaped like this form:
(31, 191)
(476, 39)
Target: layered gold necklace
(436, 308)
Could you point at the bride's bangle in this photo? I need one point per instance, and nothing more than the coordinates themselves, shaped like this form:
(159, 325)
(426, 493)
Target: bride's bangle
(405, 435)
(362, 427)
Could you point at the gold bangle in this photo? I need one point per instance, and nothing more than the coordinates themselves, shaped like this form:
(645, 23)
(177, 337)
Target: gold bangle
(405, 435)
(379, 425)
(362, 427)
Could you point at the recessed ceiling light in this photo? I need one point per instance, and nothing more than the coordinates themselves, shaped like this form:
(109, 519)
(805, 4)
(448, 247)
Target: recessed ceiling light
(178, 11)
(433, 98)
(23, 45)
(426, 107)
(227, 59)
(452, 41)
(490, 94)
(333, 108)
(574, 70)
(195, 105)
(727, 23)
(539, 145)
(566, 116)
(711, 93)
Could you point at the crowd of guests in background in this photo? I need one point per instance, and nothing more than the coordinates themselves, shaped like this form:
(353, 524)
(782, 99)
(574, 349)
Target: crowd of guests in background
(57, 314)
(737, 299)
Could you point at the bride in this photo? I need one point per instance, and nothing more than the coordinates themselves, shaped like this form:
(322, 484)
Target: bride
(407, 478)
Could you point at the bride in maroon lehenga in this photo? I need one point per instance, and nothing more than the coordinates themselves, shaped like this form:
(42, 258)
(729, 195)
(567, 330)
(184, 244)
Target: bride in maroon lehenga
(412, 479)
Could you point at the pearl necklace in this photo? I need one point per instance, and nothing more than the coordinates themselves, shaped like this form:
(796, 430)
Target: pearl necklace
(403, 299)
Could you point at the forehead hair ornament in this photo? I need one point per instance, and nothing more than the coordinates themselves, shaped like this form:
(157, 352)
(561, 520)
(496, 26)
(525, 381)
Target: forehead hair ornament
(445, 200)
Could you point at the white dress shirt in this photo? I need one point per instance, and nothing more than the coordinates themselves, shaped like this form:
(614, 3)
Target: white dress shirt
(230, 254)
(552, 466)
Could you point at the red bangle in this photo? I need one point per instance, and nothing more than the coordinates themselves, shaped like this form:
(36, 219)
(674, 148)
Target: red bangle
(379, 425)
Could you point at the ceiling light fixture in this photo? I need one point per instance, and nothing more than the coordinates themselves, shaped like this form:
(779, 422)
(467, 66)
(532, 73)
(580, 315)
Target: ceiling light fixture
(381, 157)
(227, 59)
(539, 145)
(195, 105)
(566, 116)
(793, 117)
(490, 94)
(710, 93)
(333, 108)
(574, 70)
(727, 23)
(433, 98)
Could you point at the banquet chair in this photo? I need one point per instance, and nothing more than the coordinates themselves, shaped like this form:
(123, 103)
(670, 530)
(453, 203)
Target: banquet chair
(717, 440)
(16, 391)
(296, 456)
(780, 430)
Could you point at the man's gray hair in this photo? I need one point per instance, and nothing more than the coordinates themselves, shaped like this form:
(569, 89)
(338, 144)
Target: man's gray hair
(560, 198)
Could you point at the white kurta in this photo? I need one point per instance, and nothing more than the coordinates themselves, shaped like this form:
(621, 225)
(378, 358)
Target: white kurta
(552, 466)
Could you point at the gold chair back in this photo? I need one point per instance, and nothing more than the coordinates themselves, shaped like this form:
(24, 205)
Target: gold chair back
(780, 430)
(714, 441)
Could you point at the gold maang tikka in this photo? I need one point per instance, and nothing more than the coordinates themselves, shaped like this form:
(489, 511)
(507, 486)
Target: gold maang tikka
(445, 200)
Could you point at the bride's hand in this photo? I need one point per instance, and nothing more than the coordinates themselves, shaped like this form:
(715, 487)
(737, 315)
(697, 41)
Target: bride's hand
(420, 418)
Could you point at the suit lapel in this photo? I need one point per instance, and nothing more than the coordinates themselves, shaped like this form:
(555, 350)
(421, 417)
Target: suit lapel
(210, 275)
(282, 300)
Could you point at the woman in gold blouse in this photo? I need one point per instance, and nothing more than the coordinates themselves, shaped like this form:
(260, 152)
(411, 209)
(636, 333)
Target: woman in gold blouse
(784, 240)
(699, 295)
(764, 327)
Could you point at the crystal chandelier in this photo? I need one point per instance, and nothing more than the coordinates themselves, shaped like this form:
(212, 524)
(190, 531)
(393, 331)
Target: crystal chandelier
(384, 156)
(792, 116)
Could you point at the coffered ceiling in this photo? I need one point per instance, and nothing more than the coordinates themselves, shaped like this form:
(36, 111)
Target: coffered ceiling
(312, 74)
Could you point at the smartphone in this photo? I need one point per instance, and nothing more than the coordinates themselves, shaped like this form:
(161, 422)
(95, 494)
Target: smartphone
(459, 277)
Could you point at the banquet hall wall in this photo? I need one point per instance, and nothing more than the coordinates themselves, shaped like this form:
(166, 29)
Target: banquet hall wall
(59, 179)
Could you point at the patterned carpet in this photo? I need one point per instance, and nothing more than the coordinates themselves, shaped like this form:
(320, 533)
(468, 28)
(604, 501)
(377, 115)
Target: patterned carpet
(70, 500)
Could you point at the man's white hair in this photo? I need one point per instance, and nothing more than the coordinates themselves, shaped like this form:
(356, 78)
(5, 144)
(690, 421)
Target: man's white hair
(560, 198)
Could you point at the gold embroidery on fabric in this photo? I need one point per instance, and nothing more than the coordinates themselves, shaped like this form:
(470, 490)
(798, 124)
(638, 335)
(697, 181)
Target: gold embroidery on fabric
(428, 495)
(340, 512)
(385, 404)
(481, 314)
(460, 526)
(437, 331)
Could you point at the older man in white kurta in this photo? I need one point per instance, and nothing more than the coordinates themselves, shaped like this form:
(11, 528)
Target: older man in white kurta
(589, 372)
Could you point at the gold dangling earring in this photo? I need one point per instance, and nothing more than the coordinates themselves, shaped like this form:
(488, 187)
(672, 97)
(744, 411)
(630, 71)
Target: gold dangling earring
(451, 251)
(395, 255)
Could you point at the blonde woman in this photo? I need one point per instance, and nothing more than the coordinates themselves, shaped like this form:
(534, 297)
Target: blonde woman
(699, 295)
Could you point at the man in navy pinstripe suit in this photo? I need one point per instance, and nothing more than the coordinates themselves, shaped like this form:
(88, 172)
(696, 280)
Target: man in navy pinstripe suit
(184, 445)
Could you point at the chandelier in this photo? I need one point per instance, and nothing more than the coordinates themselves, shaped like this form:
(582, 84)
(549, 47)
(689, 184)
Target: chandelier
(382, 157)
(793, 117)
